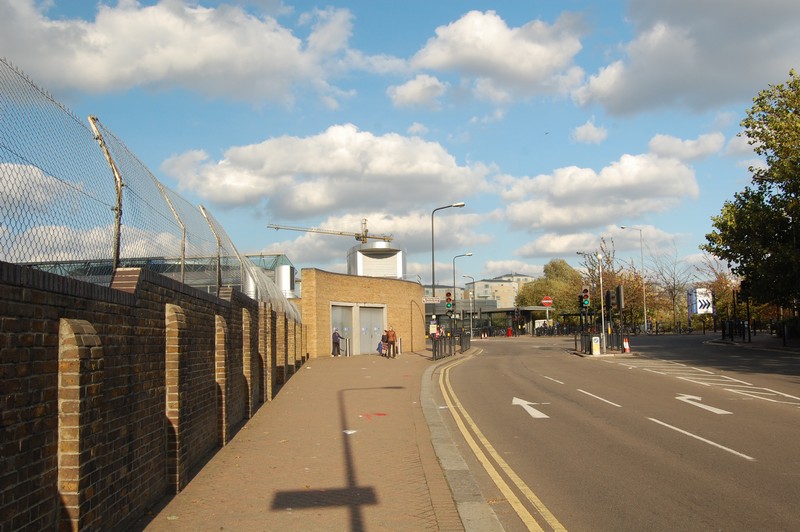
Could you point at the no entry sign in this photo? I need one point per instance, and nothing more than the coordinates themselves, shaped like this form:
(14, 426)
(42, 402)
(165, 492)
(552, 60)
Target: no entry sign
(547, 301)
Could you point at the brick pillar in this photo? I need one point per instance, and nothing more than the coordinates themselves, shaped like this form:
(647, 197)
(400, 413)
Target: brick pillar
(291, 346)
(80, 423)
(249, 367)
(281, 347)
(221, 372)
(177, 462)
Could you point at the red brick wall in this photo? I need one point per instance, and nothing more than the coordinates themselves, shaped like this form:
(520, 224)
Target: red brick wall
(151, 376)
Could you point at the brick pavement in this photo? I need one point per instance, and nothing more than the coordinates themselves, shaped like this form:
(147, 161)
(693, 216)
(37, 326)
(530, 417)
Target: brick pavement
(343, 446)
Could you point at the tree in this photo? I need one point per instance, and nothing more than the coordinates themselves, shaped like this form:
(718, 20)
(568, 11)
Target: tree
(672, 276)
(756, 232)
(560, 281)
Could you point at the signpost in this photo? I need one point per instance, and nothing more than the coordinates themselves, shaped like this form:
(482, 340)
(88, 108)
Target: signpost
(547, 301)
(431, 300)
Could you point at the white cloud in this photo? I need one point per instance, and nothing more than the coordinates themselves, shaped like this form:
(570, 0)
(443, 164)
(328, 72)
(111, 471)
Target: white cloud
(558, 244)
(739, 146)
(496, 268)
(417, 129)
(589, 133)
(411, 232)
(692, 54)
(686, 150)
(534, 58)
(575, 198)
(338, 170)
(422, 91)
(218, 52)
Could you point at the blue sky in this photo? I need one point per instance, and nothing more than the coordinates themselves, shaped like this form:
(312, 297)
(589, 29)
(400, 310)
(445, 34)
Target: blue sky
(555, 122)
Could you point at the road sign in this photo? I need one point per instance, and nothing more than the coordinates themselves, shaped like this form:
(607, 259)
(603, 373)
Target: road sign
(547, 301)
(704, 302)
(431, 300)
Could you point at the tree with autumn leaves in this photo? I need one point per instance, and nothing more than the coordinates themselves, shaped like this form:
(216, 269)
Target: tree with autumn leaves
(758, 231)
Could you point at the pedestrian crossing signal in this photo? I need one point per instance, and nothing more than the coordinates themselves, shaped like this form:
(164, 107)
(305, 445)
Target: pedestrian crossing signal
(449, 299)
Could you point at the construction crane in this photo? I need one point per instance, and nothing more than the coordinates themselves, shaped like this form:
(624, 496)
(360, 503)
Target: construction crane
(361, 237)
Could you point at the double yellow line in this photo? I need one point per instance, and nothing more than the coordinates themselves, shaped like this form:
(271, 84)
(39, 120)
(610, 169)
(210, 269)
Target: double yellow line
(483, 450)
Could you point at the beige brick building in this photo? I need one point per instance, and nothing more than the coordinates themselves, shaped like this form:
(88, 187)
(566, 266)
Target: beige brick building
(361, 308)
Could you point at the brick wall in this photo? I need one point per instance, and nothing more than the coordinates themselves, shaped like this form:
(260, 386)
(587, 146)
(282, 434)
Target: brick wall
(112, 397)
(402, 299)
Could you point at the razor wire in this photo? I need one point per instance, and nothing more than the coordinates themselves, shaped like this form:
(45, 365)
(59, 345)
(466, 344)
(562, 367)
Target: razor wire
(76, 201)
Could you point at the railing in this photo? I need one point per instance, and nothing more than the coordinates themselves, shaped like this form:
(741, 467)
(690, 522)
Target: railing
(445, 346)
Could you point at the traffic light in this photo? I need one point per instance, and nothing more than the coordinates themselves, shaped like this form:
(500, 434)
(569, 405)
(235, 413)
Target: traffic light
(585, 296)
(449, 296)
(611, 299)
(620, 297)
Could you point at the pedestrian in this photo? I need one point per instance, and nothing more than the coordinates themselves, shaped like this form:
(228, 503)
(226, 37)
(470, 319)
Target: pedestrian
(391, 338)
(384, 343)
(336, 338)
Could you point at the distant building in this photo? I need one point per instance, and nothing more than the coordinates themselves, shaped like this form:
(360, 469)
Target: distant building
(502, 289)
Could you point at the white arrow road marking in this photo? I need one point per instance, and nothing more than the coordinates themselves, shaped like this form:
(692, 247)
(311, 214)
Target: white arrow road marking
(529, 409)
(695, 400)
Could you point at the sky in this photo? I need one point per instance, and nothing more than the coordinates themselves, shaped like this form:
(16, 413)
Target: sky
(556, 123)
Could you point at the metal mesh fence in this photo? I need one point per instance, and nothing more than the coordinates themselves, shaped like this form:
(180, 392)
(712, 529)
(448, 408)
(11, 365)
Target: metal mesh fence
(76, 201)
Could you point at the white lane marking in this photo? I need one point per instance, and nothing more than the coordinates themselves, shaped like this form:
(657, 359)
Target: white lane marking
(600, 398)
(552, 379)
(695, 436)
(695, 400)
(765, 393)
(529, 409)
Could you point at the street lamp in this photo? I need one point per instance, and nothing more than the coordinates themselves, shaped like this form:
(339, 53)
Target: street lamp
(644, 295)
(467, 254)
(471, 302)
(602, 309)
(433, 270)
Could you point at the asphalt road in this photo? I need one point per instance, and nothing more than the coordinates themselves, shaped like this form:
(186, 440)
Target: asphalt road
(683, 435)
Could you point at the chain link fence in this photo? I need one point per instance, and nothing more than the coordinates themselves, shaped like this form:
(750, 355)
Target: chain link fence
(77, 202)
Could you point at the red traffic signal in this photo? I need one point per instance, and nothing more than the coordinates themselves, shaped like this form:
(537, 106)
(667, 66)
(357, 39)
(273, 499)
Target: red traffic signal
(449, 296)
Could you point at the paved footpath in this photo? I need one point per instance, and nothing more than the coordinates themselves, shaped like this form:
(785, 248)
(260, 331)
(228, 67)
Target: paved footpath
(343, 446)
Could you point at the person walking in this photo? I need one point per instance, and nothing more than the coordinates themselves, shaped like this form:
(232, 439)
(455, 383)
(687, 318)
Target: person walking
(384, 343)
(336, 339)
(391, 338)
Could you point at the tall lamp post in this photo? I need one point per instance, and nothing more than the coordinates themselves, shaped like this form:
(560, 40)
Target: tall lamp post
(471, 302)
(433, 260)
(467, 254)
(644, 294)
(602, 309)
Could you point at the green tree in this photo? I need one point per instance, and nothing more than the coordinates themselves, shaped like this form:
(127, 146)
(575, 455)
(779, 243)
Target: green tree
(560, 281)
(756, 232)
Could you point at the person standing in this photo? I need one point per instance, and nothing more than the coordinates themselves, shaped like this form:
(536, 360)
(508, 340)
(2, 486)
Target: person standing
(336, 338)
(384, 343)
(391, 338)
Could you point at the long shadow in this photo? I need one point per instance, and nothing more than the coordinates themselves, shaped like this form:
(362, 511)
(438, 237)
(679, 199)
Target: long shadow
(764, 354)
(352, 496)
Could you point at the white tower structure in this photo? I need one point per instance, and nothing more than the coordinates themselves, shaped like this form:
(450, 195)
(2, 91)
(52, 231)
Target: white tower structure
(376, 259)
